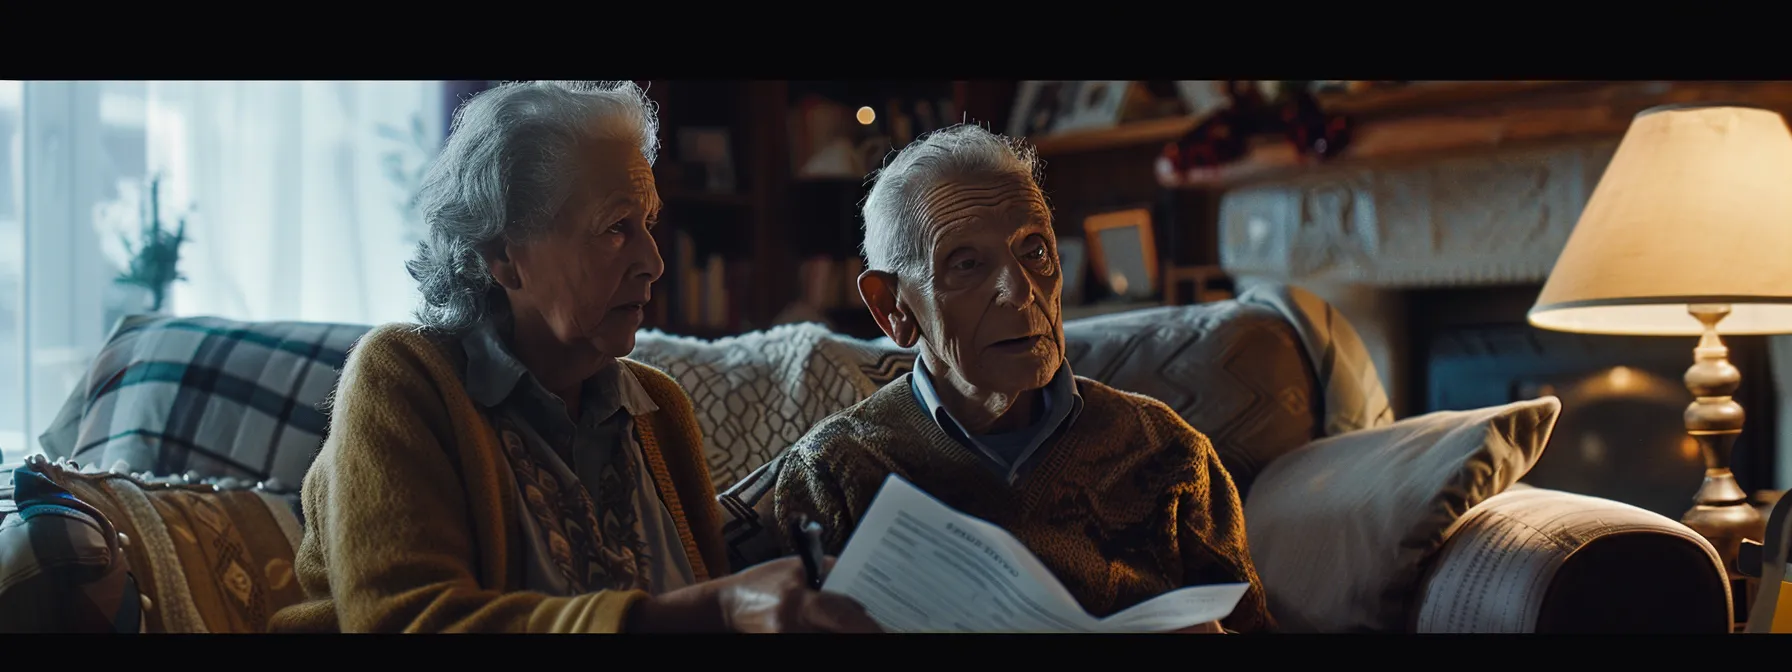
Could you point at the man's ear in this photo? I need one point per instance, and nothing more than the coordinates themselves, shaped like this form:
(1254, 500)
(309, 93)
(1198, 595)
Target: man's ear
(878, 289)
(502, 265)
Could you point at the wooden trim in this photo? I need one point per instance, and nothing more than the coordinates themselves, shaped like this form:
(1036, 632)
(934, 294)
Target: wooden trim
(1200, 277)
(1434, 95)
(1372, 103)
(767, 107)
(1124, 135)
(1549, 114)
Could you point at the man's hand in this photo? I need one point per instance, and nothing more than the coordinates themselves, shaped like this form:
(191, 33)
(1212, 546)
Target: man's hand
(1208, 628)
(771, 597)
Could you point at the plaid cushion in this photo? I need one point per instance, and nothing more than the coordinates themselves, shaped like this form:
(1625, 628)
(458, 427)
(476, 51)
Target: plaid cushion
(62, 565)
(207, 397)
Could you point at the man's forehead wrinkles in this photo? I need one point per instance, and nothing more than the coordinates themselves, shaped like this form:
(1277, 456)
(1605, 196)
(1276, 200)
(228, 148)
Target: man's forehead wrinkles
(976, 185)
(947, 205)
(950, 211)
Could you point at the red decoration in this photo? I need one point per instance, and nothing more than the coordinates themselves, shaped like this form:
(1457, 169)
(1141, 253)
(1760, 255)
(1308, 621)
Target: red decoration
(1223, 138)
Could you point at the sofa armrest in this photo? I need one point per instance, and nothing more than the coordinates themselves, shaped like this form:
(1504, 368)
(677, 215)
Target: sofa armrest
(1535, 560)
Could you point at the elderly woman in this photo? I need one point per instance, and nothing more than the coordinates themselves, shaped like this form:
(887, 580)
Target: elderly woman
(501, 468)
(1114, 491)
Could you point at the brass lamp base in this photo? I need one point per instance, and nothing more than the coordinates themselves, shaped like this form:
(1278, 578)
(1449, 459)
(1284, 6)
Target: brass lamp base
(1721, 510)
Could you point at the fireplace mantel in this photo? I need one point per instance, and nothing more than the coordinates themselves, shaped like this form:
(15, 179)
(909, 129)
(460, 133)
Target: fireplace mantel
(1495, 218)
(1360, 235)
(1445, 183)
(1361, 232)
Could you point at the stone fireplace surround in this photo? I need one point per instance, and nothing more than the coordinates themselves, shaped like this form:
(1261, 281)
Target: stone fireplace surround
(1361, 236)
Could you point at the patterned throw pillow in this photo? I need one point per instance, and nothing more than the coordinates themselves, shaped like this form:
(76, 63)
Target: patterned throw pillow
(757, 393)
(206, 397)
(62, 564)
(205, 559)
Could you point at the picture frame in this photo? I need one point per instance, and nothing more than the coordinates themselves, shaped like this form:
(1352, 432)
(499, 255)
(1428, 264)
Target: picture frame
(1073, 262)
(1038, 106)
(1203, 97)
(708, 150)
(1093, 105)
(1123, 251)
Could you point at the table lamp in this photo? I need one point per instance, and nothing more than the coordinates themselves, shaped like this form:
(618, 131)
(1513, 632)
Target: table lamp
(1689, 233)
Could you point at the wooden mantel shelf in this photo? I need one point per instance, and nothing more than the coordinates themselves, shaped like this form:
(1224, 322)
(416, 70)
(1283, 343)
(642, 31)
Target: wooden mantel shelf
(1155, 131)
(1378, 102)
(1529, 112)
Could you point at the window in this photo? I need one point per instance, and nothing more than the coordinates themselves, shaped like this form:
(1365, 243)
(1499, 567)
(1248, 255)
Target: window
(295, 197)
(12, 270)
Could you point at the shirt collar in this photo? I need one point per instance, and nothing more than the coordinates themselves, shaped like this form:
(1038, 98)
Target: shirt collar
(493, 375)
(1062, 399)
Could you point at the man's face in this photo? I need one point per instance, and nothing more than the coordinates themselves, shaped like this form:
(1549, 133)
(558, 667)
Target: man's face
(987, 302)
(589, 275)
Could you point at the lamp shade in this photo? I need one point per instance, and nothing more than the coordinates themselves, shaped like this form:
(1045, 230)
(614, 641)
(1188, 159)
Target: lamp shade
(1695, 208)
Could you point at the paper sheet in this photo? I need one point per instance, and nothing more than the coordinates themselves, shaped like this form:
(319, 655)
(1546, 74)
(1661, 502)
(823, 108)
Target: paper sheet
(919, 566)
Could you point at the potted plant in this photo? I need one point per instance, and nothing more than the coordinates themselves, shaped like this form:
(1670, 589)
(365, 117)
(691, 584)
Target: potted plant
(405, 165)
(155, 255)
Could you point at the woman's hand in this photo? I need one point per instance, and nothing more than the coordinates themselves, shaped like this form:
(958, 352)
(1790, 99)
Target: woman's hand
(769, 597)
(1208, 628)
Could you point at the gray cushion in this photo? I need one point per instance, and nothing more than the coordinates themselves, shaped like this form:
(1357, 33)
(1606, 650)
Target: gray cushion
(1235, 371)
(1340, 529)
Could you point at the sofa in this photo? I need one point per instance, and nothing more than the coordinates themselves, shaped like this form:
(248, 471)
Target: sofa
(184, 447)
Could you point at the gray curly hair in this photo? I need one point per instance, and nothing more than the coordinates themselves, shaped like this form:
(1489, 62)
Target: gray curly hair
(892, 211)
(502, 175)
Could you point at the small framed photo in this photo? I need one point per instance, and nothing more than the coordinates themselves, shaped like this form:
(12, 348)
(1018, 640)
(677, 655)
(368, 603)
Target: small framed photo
(708, 151)
(1123, 252)
(1093, 105)
(1203, 97)
(1038, 106)
(1073, 260)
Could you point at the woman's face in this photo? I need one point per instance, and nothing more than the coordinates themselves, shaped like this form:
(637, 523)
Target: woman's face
(587, 278)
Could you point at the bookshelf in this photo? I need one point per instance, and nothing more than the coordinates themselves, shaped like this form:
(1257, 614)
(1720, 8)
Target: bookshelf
(719, 243)
(780, 232)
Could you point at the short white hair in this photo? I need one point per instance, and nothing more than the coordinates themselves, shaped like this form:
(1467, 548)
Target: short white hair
(893, 235)
(503, 174)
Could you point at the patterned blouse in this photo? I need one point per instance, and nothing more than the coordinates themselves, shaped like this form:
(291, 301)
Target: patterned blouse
(593, 518)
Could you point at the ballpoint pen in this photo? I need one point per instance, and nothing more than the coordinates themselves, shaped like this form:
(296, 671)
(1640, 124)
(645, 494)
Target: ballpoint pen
(805, 535)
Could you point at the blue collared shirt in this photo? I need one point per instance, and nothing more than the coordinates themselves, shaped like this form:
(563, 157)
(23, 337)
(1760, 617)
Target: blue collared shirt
(1009, 454)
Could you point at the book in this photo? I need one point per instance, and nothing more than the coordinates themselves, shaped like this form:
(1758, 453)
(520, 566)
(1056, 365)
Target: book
(917, 565)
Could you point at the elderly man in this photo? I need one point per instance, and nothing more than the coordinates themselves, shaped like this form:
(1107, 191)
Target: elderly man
(1118, 496)
(502, 467)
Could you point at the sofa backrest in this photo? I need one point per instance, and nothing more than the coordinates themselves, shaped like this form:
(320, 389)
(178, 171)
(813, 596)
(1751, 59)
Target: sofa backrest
(1260, 375)
(1236, 371)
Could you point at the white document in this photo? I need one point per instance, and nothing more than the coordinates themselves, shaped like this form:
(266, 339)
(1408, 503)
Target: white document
(919, 566)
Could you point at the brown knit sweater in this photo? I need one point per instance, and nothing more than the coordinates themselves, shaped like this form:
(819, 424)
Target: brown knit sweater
(411, 509)
(1127, 504)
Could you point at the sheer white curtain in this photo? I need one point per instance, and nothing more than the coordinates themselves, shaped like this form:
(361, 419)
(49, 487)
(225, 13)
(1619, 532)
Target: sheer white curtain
(295, 194)
(296, 215)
